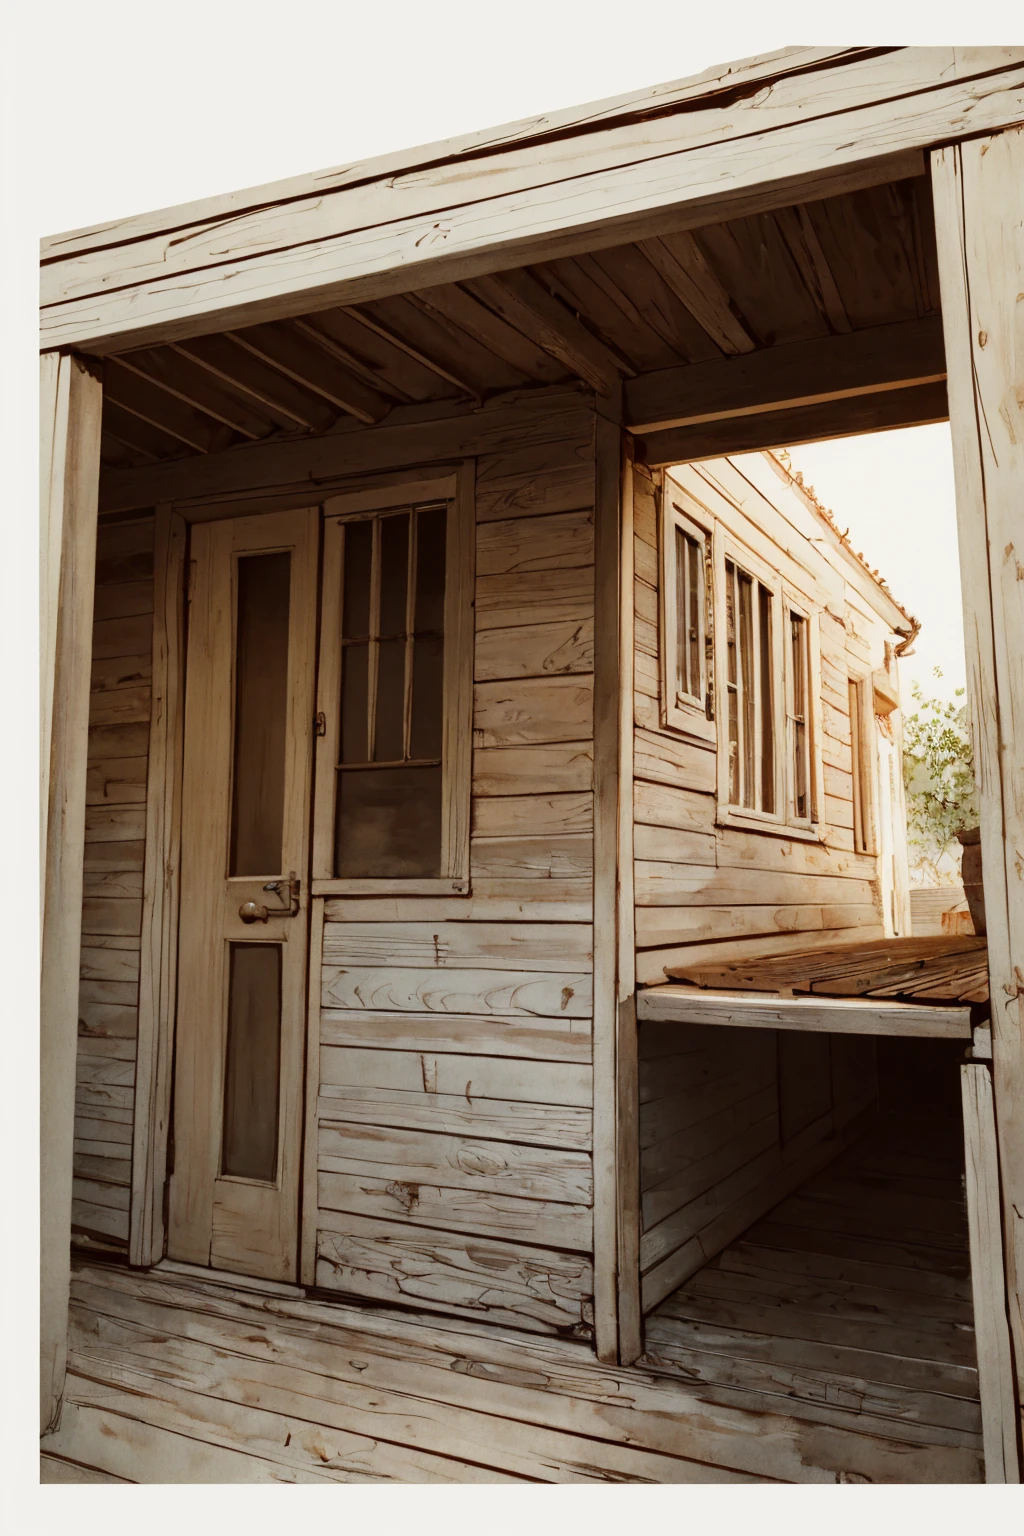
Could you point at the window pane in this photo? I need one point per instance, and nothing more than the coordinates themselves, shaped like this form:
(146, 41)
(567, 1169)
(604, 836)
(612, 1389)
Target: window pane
(430, 570)
(252, 1067)
(746, 658)
(390, 701)
(427, 698)
(354, 686)
(733, 683)
(695, 585)
(860, 836)
(767, 701)
(388, 823)
(261, 704)
(394, 573)
(682, 669)
(355, 611)
(800, 765)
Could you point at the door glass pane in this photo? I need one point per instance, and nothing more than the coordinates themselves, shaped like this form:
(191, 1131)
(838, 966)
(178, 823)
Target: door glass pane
(355, 606)
(252, 1067)
(388, 823)
(427, 697)
(261, 704)
(389, 730)
(430, 570)
(394, 574)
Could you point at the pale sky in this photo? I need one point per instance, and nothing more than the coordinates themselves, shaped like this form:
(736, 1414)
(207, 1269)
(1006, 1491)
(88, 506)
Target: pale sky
(894, 492)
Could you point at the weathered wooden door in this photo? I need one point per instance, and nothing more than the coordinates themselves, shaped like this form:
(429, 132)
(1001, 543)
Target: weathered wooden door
(249, 701)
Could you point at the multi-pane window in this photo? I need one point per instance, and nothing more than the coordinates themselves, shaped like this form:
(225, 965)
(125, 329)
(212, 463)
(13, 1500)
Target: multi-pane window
(388, 794)
(392, 788)
(686, 648)
(690, 615)
(750, 690)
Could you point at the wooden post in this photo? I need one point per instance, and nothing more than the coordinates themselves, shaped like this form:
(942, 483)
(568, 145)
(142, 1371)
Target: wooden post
(71, 408)
(607, 684)
(978, 189)
(995, 1364)
(158, 961)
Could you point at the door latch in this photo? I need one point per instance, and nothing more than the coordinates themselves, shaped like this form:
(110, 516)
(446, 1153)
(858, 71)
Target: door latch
(288, 888)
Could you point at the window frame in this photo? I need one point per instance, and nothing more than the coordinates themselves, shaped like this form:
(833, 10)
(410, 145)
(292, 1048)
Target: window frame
(795, 602)
(399, 492)
(864, 763)
(731, 549)
(685, 713)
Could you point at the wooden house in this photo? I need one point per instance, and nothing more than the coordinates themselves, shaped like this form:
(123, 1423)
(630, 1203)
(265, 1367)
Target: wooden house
(470, 766)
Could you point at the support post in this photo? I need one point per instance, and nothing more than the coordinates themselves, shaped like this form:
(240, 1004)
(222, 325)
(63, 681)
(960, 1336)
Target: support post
(158, 967)
(607, 683)
(70, 412)
(992, 1336)
(978, 190)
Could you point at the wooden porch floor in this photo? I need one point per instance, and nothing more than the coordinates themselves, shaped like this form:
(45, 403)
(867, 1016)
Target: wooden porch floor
(777, 1363)
(853, 1294)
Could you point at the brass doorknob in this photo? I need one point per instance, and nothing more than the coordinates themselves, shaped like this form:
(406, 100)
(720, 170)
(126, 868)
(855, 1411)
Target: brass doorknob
(249, 912)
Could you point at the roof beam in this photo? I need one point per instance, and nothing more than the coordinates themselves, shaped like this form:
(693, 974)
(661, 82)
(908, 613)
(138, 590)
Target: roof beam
(809, 136)
(848, 416)
(521, 300)
(883, 357)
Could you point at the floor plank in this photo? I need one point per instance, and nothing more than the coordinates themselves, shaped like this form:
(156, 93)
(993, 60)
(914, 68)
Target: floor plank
(850, 1301)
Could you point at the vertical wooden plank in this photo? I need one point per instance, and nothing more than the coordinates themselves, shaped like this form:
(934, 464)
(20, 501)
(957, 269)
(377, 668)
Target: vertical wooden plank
(327, 745)
(458, 677)
(158, 961)
(309, 1213)
(995, 1363)
(73, 477)
(978, 192)
(54, 395)
(627, 1137)
(607, 687)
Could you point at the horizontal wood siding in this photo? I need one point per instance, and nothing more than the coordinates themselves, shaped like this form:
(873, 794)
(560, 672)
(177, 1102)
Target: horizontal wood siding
(454, 1167)
(711, 1144)
(115, 833)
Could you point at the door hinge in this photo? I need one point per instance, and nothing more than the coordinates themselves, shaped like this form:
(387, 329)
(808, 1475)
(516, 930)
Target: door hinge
(709, 702)
(319, 723)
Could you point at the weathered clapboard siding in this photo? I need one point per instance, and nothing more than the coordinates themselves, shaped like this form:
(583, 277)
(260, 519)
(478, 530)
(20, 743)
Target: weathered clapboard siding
(112, 896)
(454, 1109)
(710, 1136)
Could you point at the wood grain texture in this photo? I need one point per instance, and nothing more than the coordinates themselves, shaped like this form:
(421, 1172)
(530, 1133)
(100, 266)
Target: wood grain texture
(70, 411)
(622, 192)
(988, 1280)
(518, 1285)
(978, 209)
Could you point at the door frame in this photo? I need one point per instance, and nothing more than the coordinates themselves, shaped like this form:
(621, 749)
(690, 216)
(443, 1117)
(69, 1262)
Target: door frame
(158, 968)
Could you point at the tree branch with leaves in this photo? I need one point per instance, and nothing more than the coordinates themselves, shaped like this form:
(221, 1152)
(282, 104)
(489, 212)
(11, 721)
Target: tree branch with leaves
(938, 774)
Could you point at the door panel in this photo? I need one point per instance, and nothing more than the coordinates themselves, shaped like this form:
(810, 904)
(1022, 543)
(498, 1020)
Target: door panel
(249, 701)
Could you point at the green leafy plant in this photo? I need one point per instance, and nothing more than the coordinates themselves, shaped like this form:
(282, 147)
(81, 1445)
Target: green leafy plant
(938, 774)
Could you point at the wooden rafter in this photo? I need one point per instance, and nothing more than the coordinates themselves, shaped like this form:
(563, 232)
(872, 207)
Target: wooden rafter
(684, 267)
(284, 351)
(525, 303)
